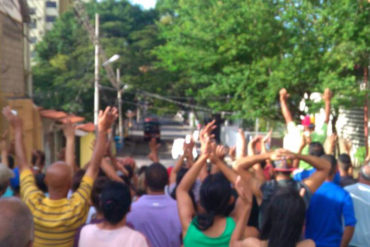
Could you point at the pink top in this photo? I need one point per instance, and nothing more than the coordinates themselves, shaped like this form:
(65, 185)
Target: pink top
(93, 236)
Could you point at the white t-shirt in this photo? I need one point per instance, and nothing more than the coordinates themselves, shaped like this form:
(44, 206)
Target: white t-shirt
(360, 194)
(92, 236)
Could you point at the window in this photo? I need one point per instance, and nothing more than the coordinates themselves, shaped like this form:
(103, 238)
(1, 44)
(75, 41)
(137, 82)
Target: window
(50, 4)
(50, 18)
(32, 11)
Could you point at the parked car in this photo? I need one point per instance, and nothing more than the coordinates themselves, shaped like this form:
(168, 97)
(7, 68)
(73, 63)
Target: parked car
(152, 129)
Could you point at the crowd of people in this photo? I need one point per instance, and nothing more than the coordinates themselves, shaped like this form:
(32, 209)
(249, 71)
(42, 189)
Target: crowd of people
(299, 195)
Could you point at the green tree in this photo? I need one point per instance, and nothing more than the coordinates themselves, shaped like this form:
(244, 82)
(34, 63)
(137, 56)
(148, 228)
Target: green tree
(236, 55)
(64, 70)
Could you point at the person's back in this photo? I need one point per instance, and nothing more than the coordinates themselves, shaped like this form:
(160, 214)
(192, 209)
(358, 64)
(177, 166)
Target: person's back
(360, 193)
(57, 218)
(324, 216)
(155, 214)
(115, 203)
(157, 218)
(92, 235)
(196, 237)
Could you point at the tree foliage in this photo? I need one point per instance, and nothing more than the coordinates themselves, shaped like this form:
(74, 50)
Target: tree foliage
(236, 55)
(64, 71)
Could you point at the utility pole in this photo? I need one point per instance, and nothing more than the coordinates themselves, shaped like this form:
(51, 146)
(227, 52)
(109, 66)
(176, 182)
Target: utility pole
(119, 99)
(83, 18)
(96, 81)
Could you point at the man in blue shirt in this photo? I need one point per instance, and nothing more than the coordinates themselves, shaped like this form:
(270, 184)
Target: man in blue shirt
(327, 207)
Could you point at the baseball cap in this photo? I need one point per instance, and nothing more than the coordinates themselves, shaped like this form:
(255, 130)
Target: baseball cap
(283, 165)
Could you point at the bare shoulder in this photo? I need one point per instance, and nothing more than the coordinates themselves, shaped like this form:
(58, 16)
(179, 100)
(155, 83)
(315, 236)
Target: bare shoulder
(306, 243)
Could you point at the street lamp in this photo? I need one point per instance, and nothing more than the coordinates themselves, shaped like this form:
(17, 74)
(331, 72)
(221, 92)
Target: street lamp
(114, 58)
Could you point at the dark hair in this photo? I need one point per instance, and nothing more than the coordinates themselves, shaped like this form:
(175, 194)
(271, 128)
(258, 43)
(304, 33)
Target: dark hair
(156, 177)
(344, 162)
(215, 194)
(76, 180)
(35, 155)
(11, 162)
(96, 191)
(115, 201)
(180, 174)
(316, 149)
(283, 219)
(127, 178)
(333, 163)
(40, 182)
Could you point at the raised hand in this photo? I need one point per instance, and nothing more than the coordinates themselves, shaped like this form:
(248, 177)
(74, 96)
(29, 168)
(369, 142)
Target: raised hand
(69, 129)
(107, 118)
(284, 94)
(221, 151)
(282, 153)
(14, 120)
(206, 132)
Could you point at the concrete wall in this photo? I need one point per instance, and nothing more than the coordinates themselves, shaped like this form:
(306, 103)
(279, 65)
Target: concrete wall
(12, 82)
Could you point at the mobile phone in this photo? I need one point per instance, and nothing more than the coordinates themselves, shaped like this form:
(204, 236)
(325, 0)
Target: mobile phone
(14, 112)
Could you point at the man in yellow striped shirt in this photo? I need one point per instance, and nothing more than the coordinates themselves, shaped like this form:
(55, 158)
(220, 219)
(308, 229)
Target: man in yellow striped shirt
(57, 218)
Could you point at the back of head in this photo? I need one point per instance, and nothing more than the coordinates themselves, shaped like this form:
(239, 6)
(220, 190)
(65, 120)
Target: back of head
(215, 194)
(5, 175)
(333, 163)
(316, 149)
(365, 174)
(16, 223)
(283, 219)
(156, 177)
(58, 178)
(115, 201)
(96, 192)
(344, 162)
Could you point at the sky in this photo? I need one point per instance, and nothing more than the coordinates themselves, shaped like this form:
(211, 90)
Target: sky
(147, 4)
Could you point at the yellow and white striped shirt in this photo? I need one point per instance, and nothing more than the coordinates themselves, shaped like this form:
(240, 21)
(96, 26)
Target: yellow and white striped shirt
(56, 221)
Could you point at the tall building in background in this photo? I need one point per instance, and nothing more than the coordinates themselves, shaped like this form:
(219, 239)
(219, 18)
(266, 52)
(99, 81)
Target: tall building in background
(43, 14)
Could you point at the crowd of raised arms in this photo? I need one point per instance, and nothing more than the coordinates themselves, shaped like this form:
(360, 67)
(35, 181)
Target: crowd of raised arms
(299, 195)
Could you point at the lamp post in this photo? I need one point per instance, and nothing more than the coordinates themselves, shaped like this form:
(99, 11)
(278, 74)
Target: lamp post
(114, 58)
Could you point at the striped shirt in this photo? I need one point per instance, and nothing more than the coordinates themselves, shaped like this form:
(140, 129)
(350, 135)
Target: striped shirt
(56, 221)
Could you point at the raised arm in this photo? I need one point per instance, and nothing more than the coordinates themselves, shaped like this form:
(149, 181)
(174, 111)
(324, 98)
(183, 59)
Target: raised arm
(154, 146)
(327, 99)
(284, 105)
(241, 148)
(69, 133)
(17, 124)
(4, 149)
(216, 159)
(106, 119)
(242, 211)
(184, 202)
(176, 169)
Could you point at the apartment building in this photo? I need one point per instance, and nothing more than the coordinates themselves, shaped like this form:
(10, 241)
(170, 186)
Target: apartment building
(43, 14)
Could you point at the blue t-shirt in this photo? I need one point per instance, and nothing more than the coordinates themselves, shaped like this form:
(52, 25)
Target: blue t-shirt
(300, 175)
(328, 205)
